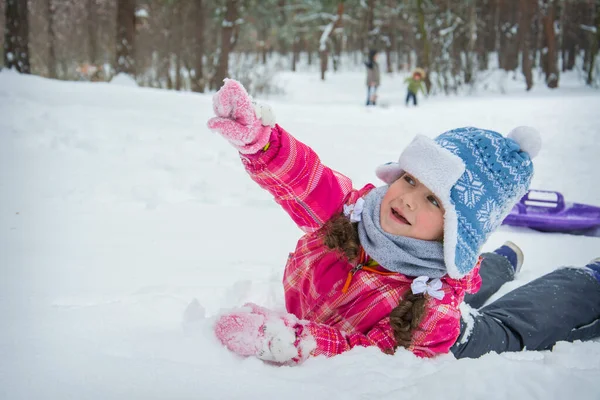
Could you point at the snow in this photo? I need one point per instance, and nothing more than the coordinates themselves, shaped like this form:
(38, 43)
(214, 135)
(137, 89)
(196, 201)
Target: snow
(123, 79)
(141, 13)
(119, 208)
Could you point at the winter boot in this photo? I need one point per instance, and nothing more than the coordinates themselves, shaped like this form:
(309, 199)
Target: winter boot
(513, 254)
(594, 266)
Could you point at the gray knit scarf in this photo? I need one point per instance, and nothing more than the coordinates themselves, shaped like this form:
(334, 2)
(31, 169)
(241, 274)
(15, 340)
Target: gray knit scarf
(408, 256)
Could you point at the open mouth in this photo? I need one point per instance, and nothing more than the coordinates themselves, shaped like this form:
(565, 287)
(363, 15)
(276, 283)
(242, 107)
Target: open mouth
(399, 217)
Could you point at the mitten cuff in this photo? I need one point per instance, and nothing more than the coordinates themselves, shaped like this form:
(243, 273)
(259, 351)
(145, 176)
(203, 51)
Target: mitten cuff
(262, 138)
(305, 343)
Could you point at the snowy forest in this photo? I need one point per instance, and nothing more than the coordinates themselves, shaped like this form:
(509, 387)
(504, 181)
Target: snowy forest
(194, 44)
(178, 44)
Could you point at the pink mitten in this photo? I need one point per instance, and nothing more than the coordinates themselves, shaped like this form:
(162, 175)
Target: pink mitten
(245, 124)
(270, 336)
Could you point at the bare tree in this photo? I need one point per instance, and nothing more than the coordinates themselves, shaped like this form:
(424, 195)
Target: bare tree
(509, 46)
(296, 51)
(569, 38)
(198, 83)
(16, 36)
(329, 29)
(177, 15)
(594, 48)
(526, 8)
(425, 53)
(92, 31)
(228, 39)
(51, 40)
(391, 43)
(472, 38)
(369, 38)
(125, 37)
(550, 59)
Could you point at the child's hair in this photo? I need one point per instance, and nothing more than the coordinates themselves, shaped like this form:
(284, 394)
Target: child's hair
(342, 235)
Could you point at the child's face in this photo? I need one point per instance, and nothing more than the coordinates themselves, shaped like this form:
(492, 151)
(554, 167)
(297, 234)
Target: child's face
(410, 209)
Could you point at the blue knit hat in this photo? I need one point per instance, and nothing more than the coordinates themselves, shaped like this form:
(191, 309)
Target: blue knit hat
(478, 175)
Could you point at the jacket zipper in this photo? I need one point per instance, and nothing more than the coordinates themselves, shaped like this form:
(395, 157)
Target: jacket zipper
(351, 273)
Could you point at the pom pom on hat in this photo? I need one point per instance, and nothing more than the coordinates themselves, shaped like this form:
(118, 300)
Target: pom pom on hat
(528, 138)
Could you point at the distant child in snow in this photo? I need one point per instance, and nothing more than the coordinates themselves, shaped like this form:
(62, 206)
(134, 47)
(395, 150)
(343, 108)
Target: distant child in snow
(389, 266)
(373, 78)
(415, 84)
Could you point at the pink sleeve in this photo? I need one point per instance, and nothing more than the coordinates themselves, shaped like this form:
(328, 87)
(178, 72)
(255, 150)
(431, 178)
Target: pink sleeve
(438, 330)
(291, 171)
(473, 279)
(331, 341)
(469, 283)
(437, 333)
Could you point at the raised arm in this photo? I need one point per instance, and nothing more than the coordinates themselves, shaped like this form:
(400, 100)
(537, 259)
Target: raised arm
(308, 191)
(291, 171)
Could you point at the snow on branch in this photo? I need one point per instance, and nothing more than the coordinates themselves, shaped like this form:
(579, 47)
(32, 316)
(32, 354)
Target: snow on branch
(315, 16)
(325, 36)
(325, 16)
(451, 28)
(588, 28)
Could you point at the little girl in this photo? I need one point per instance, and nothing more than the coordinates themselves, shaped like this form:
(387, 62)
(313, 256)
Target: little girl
(390, 266)
(415, 84)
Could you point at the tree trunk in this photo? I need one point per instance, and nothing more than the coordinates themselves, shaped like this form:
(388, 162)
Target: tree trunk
(561, 37)
(551, 69)
(470, 67)
(497, 31)
(92, 32)
(283, 21)
(424, 58)
(324, 61)
(594, 48)
(125, 37)
(483, 37)
(296, 52)
(16, 36)
(392, 46)
(572, 57)
(198, 80)
(336, 44)
(263, 42)
(509, 47)
(369, 39)
(178, 47)
(586, 18)
(51, 40)
(227, 43)
(526, 9)
(325, 37)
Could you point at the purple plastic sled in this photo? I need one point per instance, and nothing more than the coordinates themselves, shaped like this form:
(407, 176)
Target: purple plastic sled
(547, 211)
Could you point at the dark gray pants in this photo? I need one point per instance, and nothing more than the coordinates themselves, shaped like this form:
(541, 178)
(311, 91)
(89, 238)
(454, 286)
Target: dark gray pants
(562, 305)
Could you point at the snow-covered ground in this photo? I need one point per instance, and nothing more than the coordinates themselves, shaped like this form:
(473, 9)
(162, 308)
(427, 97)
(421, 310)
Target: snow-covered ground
(118, 207)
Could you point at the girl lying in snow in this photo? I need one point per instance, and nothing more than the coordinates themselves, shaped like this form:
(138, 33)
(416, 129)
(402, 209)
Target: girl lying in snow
(390, 266)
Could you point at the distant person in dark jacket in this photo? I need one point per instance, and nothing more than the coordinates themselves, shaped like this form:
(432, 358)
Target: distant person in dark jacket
(372, 78)
(415, 84)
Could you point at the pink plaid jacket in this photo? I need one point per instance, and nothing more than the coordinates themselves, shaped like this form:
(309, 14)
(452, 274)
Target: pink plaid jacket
(314, 275)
